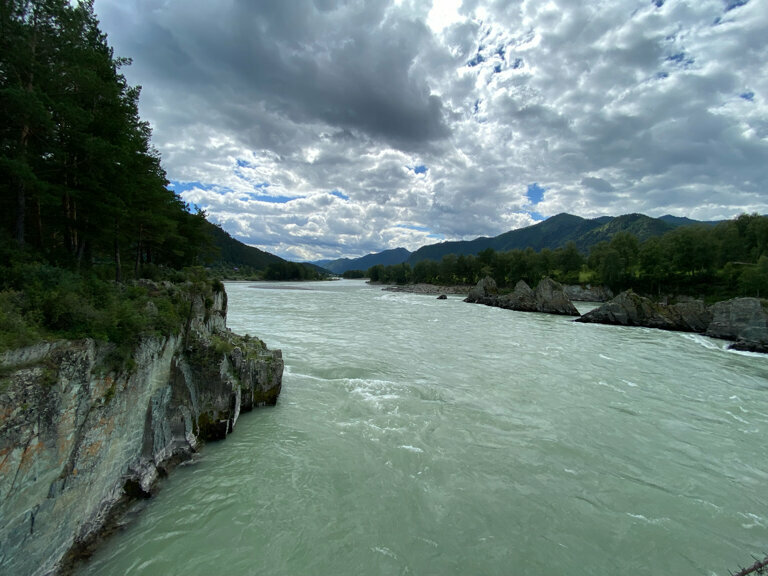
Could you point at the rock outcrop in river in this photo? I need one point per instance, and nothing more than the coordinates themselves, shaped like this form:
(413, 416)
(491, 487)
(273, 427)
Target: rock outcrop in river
(743, 320)
(630, 309)
(588, 293)
(78, 441)
(548, 297)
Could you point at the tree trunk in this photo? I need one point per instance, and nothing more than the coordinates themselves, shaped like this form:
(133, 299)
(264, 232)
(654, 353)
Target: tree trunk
(137, 266)
(20, 212)
(118, 267)
(39, 223)
(21, 191)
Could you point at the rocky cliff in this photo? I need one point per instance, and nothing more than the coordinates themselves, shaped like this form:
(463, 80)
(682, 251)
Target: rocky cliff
(79, 440)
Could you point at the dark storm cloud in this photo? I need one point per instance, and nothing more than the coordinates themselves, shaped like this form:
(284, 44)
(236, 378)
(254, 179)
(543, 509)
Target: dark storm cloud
(348, 65)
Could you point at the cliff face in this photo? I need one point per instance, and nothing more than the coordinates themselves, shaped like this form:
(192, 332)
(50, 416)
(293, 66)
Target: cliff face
(77, 442)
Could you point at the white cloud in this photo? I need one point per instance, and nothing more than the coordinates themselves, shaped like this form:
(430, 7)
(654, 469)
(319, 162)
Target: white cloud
(612, 107)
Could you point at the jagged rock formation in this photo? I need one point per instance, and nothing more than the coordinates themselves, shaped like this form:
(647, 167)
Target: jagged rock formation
(548, 297)
(630, 309)
(743, 320)
(485, 288)
(78, 441)
(588, 293)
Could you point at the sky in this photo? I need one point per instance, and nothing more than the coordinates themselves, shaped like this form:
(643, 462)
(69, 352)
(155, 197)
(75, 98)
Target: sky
(327, 128)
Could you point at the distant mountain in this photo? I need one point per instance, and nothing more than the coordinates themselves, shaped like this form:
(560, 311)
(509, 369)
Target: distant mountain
(386, 258)
(555, 232)
(551, 233)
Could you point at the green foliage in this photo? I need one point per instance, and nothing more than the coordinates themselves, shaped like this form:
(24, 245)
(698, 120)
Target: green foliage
(40, 301)
(353, 274)
(221, 346)
(79, 180)
(284, 270)
(715, 262)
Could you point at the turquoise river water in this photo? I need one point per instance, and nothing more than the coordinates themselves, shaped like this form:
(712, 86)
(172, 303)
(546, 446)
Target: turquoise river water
(422, 437)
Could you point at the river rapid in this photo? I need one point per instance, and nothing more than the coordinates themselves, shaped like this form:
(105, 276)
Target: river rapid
(427, 437)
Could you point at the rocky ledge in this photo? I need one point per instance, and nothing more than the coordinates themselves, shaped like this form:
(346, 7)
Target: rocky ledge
(80, 441)
(742, 320)
(548, 297)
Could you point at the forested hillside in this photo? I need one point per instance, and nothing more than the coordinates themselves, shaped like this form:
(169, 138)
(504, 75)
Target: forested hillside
(714, 261)
(79, 178)
(556, 232)
(84, 200)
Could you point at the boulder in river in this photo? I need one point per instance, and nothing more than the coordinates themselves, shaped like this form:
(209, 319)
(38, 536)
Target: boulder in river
(485, 288)
(548, 297)
(551, 298)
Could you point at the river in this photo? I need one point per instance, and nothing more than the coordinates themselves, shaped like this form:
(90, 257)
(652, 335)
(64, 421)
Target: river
(417, 436)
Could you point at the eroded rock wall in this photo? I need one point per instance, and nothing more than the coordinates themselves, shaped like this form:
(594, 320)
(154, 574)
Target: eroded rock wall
(78, 441)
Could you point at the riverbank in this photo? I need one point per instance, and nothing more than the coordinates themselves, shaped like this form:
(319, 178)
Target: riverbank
(433, 289)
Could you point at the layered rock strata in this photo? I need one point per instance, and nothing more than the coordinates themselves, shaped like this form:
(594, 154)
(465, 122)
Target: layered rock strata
(79, 441)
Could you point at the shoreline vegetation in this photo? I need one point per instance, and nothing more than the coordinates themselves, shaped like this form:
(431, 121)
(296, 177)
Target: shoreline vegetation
(707, 262)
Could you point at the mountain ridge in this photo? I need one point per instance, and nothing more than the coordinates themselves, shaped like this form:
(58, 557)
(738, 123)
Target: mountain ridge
(552, 233)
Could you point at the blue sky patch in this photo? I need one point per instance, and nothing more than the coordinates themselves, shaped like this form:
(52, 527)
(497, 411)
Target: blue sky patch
(535, 193)
(420, 169)
(412, 227)
(517, 64)
(477, 60)
(180, 187)
(340, 194)
(748, 96)
(273, 199)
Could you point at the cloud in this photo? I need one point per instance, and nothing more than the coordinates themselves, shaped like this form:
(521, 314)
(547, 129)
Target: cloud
(326, 128)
